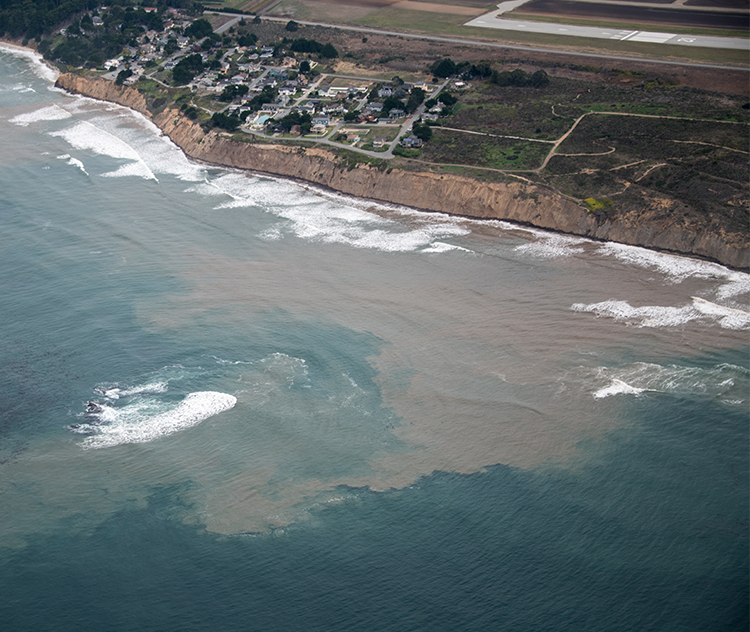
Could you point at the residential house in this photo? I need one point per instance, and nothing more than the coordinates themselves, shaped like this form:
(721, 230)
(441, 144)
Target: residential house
(411, 142)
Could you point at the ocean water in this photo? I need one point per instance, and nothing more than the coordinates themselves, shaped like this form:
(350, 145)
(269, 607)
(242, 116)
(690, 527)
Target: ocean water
(230, 402)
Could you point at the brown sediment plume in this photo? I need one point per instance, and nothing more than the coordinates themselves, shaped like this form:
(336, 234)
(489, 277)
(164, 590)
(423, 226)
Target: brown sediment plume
(521, 202)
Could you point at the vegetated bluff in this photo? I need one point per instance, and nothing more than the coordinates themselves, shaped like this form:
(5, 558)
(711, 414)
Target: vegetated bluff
(456, 195)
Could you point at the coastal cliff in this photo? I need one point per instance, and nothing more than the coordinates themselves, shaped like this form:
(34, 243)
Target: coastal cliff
(457, 195)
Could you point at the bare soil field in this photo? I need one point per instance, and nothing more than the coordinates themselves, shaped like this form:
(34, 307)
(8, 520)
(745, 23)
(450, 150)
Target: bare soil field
(438, 8)
(620, 13)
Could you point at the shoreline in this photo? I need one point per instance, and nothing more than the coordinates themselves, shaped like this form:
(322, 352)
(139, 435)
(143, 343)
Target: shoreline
(521, 203)
(517, 202)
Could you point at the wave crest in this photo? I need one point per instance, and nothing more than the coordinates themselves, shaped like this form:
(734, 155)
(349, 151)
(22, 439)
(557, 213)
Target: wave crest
(137, 423)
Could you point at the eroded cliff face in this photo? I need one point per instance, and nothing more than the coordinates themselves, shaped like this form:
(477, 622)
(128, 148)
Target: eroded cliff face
(516, 202)
(103, 90)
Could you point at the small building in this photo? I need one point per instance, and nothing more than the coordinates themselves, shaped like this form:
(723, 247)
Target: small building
(411, 142)
(379, 142)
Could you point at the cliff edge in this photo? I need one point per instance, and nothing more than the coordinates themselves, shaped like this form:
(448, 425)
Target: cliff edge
(452, 194)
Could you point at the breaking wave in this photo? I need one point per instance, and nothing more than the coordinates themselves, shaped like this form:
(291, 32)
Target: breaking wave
(722, 381)
(552, 245)
(85, 135)
(49, 113)
(145, 420)
(667, 316)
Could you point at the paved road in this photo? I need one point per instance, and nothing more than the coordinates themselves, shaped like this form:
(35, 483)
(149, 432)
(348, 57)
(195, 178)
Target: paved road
(228, 25)
(491, 21)
(485, 44)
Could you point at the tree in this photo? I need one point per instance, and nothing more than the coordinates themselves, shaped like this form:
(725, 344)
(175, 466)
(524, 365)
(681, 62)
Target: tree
(519, 77)
(199, 29)
(444, 68)
(182, 75)
(303, 45)
(447, 99)
(539, 79)
(122, 75)
(415, 98)
(249, 39)
(232, 92)
(292, 26)
(188, 67)
(171, 46)
(391, 103)
(424, 132)
(329, 52)
(225, 121)
(304, 66)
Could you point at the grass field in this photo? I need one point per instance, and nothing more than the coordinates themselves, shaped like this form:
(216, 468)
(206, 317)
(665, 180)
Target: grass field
(452, 147)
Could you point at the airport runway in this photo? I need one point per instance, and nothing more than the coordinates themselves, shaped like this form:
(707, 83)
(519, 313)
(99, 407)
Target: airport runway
(491, 21)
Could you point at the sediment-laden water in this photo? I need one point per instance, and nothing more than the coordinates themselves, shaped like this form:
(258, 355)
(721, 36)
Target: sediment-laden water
(230, 402)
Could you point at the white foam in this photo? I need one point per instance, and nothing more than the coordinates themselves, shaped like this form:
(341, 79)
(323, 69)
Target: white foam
(135, 424)
(648, 316)
(50, 113)
(729, 318)
(737, 283)
(714, 382)
(617, 387)
(73, 162)
(40, 68)
(116, 392)
(152, 387)
(328, 218)
(285, 368)
(329, 223)
(137, 169)
(155, 149)
(84, 135)
(676, 268)
(552, 245)
(440, 247)
(667, 316)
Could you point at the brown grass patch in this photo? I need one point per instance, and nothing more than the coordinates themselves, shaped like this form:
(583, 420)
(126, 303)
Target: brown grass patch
(437, 8)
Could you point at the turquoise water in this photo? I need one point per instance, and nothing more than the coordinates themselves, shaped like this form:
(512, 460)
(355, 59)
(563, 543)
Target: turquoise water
(319, 413)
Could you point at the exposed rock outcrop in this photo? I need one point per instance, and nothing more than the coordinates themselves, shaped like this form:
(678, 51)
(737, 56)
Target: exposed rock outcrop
(457, 195)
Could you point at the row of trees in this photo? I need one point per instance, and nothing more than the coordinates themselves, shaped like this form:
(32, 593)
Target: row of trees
(35, 19)
(303, 45)
(445, 68)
